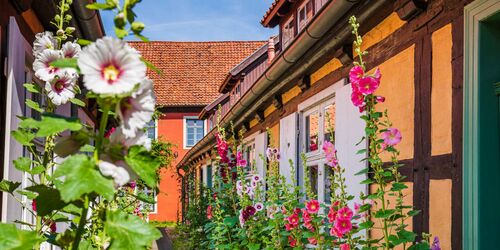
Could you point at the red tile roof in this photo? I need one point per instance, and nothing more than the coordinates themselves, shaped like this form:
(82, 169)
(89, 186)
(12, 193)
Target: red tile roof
(271, 12)
(192, 71)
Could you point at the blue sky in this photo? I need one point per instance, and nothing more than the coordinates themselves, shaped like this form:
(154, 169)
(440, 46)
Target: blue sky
(200, 20)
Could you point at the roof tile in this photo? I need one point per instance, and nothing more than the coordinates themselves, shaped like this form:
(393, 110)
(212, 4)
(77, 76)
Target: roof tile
(192, 71)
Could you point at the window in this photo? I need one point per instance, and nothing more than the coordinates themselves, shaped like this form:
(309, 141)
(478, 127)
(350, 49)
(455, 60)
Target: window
(151, 129)
(304, 14)
(288, 32)
(317, 126)
(235, 93)
(148, 207)
(319, 4)
(194, 130)
(209, 176)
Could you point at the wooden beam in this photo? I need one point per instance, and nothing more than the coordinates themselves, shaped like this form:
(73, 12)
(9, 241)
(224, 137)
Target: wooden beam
(305, 83)
(259, 115)
(278, 101)
(409, 9)
(344, 54)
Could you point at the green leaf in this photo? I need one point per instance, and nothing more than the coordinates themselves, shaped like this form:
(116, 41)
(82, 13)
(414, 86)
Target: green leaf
(121, 33)
(151, 66)
(366, 224)
(367, 182)
(100, 6)
(23, 164)
(143, 163)
(129, 231)
(77, 101)
(53, 124)
(83, 42)
(13, 238)
(145, 198)
(231, 221)
(33, 105)
(81, 177)
(48, 199)
(9, 186)
(363, 171)
(23, 137)
(87, 148)
(420, 246)
(397, 186)
(65, 63)
(28, 194)
(406, 236)
(33, 88)
(384, 213)
(413, 212)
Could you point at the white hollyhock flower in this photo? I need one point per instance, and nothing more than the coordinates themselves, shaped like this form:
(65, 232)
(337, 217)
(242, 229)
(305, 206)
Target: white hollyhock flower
(42, 67)
(61, 89)
(137, 110)
(141, 138)
(119, 171)
(71, 49)
(43, 41)
(111, 66)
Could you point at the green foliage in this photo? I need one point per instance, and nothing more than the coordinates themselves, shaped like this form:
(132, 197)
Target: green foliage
(51, 124)
(143, 163)
(48, 199)
(129, 232)
(13, 238)
(9, 186)
(82, 177)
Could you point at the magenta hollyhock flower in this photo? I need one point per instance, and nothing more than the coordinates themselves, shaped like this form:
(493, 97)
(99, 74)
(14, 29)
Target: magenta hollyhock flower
(391, 137)
(296, 210)
(240, 162)
(357, 98)
(33, 205)
(293, 219)
(345, 213)
(380, 99)
(335, 232)
(332, 215)
(356, 206)
(312, 240)
(330, 154)
(436, 244)
(289, 227)
(377, 75)
(345, 246)
(306, 216)
(209, 212)
(343, 226)
(292, 241)
(356, 74)
(309, 226)
(312, 206)
(368, 85)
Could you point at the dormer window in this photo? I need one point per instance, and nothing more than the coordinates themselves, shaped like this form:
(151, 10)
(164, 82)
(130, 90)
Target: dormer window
(235, 94)
(304, 14)
(288, 31)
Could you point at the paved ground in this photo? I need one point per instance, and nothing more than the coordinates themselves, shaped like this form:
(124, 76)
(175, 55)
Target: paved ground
(164, 243)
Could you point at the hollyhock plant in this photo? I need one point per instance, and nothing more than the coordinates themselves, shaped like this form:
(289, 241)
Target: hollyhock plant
(259, 206)
(357, 98)
(355, 75)
(42, 64)
(312, 206)
(61, 88)
(391, 137)
(343, 226)
(368, 85)
(344, 213)
(111, 66)
(137, 110)
(330, 154)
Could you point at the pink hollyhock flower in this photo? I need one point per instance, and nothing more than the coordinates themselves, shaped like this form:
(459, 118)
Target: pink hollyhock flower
(259, 206)
(306, 216)
(330, 154)
(256, 178)
(312, 206)
(355, 75)
(209, 212)
(292, 241)
(345, 213)
(343, 226)
(309, 226)
(357, 98)
(380, 99)
(368, 85)
(53, 226)
(293, 219)
(312, 240)
(345, 246)
(283, 209)
(132, 184)
(377, 75)
(335, 232)
(391, 137)
(33, 205)
(435, 244)
(296, 210)
(332, 215)
(289, 227)
(362, 108)
(356, 206)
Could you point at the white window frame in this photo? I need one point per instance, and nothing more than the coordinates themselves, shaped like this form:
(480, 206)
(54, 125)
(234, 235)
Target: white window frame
(184, 130)
(156, 129)
(304, 7)
(155, 195)
(287, 37)
(316, 103)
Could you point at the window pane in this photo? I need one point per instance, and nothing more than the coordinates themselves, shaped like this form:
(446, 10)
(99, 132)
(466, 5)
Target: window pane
(312, 132)
(209, 176)
(329, 124)
(328, 183)
(313, 178)
(151, 129)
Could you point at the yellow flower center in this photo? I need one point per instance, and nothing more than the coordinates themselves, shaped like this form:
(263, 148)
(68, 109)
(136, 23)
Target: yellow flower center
(110, 73)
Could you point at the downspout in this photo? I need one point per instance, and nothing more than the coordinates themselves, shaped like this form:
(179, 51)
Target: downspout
(89, 20)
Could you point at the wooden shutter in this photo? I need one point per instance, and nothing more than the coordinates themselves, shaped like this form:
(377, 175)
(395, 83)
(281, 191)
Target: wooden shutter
(349, 129)
(260, 153)
(288, 146)
(11, 209)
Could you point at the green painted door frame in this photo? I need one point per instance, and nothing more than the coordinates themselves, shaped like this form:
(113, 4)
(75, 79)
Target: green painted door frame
(481, 138)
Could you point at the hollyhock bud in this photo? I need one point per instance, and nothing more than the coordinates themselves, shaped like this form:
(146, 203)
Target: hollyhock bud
(380, 99)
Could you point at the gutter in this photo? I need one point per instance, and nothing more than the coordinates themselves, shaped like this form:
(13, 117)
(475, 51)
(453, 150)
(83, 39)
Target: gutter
(267, 86)
(89, 21)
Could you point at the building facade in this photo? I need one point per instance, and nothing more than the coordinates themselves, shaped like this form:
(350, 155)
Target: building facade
(439, 83)
(190, 76)
(20, 21)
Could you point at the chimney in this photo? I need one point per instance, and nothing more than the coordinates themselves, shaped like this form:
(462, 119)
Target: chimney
(270, 50)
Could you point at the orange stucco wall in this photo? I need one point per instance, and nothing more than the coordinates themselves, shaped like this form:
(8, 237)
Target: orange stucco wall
(170, 128)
